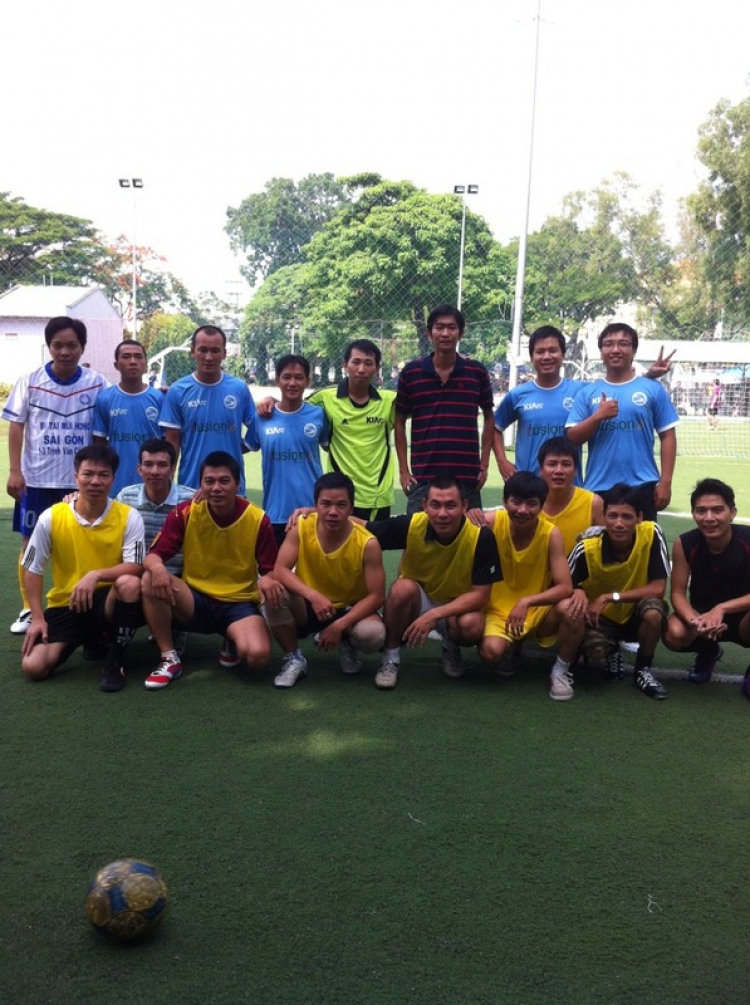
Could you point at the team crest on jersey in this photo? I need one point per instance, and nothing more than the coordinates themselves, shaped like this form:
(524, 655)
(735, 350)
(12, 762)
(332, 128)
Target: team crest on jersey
(310, 429)
(152, 413)
(230, 401)
(85, 399)
(639, 398)
(567, 404)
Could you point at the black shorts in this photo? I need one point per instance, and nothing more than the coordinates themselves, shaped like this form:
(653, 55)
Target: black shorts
(76, 627)
(213, 616)
(314, 624)
(732, 634)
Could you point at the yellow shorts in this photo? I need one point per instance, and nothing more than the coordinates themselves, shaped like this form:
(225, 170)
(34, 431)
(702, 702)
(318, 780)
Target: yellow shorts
(495, 622)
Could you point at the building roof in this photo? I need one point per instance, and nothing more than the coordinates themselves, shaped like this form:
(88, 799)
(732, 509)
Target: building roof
(42, 301)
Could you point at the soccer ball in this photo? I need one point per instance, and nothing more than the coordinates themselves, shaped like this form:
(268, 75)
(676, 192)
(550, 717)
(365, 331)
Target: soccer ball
(127, 899)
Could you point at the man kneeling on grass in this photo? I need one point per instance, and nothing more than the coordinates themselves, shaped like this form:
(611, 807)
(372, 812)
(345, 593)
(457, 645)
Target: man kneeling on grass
(619, 577)
(447, 570)
(95, 546)
(535, 573)
(710, 582)
(229, 551)
(333, 571)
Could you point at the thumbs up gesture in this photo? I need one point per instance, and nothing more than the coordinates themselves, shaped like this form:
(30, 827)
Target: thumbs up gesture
(608, 408)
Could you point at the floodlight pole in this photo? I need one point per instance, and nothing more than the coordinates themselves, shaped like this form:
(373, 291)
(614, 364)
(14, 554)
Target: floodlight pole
(135, 184)
(462, 191)
(515, 344)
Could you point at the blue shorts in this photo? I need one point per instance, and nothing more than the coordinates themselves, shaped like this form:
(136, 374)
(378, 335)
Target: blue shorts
(32, 504)
(213, 616)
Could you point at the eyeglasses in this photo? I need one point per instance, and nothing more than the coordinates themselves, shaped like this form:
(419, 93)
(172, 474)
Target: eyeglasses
(617, 344)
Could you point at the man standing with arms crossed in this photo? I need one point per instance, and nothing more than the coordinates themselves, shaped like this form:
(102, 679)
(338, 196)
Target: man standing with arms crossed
(442, 394)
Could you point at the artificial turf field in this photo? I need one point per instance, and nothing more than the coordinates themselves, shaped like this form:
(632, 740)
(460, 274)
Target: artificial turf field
(457, 842)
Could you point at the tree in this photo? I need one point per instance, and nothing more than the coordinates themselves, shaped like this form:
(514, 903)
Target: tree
(271, 227)
(156, 288)
(721, 210)
(272, 314)
(160, 331)
(38, 246)
(393, 253)
(606, 248)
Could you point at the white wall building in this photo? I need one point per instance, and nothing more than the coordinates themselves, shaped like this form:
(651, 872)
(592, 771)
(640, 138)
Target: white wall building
(25, 310)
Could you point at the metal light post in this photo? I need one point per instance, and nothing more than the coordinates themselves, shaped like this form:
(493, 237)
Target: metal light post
(521, 268)
(463, 190)
(134, 183)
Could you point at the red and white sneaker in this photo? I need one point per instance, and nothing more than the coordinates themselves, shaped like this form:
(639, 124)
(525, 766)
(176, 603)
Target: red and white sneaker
(228, 656)
(168, 670)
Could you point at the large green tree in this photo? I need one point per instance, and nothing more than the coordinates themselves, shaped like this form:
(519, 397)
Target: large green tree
(38, 246)
(375, 269)
(721, 210)
(270, 228)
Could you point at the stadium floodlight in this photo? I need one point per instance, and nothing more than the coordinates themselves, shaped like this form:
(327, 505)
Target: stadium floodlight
(463, 191)
(134, 183)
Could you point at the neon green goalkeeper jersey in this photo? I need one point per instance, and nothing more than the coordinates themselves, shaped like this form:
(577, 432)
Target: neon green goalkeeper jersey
(360, 444)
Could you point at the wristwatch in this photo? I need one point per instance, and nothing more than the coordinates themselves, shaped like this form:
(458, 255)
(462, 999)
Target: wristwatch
(615, 598)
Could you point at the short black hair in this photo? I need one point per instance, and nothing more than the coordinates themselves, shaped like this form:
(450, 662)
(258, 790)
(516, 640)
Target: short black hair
(447, 311)
(291, 359)
(221, 459)
(526, 485)
(101, 453)
(546, 331)
(55, 325)
(712, 487)
(207, 330)
(622, 495)
(365, 346)
(156, 446)
(334, 480)
(559, 446)
(614, 328)
(443, 482)
(128, 342)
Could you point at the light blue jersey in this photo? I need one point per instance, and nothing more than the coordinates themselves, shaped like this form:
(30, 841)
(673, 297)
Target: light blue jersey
(209, 417)
(541, 413)
(127, 421)
(288, 442)
(622, 449)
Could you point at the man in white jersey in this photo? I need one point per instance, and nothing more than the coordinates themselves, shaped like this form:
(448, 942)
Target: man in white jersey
(51, 412)
(205, 411)
(127, 415)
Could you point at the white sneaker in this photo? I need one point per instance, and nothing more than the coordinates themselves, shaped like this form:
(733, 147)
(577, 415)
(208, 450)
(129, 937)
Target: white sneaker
(292, 668)
(561, 686)
(387, 676)
(348, 659)
(453, 665)
(21, 625)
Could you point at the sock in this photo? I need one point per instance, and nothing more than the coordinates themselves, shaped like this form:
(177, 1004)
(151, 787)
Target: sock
(705, 647)
(297, 653)
(171, 656)
(126, 620)
(392, 655)
(560, 667)
(22, 587)
(642, 661)
(450, 645)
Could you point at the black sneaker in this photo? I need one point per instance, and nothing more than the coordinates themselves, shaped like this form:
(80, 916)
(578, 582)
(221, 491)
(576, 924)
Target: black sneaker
(112, 677)
(613, 667)
(650, 686)
(702, 670)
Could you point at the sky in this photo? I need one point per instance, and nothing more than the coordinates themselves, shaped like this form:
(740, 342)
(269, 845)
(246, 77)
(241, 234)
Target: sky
(208, 102)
